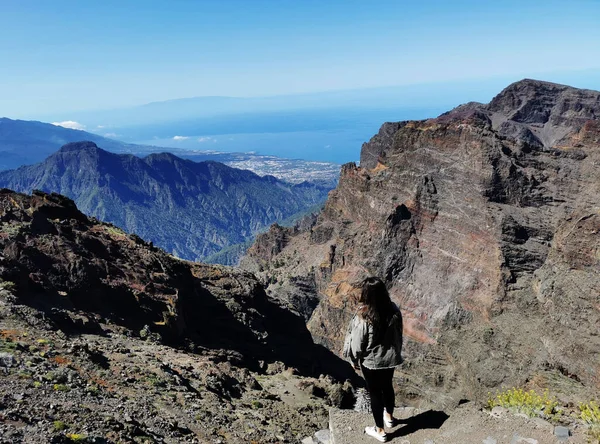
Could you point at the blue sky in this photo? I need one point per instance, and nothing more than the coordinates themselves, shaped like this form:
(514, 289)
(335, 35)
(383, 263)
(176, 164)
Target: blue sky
(61, 55)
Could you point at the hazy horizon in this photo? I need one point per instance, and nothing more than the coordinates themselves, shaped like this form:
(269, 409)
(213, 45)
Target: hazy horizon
(327, 126)
(482, 88)
(306, 79)
(69, 56)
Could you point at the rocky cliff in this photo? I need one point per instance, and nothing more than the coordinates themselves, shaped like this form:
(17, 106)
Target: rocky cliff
(107, 338)
(485, 224)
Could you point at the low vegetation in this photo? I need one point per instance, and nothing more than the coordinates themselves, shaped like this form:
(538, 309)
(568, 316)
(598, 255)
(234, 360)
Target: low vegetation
(534, 405)
(59, 426)
(529, 403)
(589, 414)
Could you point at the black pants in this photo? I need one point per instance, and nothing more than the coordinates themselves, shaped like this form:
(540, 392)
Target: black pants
(381, 391)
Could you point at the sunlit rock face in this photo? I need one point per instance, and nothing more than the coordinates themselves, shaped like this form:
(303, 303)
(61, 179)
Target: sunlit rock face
(485, 224)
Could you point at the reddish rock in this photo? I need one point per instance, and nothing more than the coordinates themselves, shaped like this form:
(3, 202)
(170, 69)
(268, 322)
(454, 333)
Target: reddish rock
(485, 224)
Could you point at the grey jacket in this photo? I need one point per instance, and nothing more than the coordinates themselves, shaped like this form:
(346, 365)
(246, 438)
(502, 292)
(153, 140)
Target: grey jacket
(374, 351)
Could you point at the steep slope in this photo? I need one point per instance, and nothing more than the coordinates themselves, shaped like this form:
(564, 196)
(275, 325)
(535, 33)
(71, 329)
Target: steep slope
(190, 209)
(105, 336)
(485, 224)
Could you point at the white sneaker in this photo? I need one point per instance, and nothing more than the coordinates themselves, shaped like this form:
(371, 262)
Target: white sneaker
(372, 431)
(389, 423)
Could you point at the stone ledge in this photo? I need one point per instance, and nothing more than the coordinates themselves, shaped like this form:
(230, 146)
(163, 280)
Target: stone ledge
(466, 424)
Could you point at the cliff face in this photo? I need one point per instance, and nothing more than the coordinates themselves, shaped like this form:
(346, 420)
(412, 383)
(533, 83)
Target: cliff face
(485, 224)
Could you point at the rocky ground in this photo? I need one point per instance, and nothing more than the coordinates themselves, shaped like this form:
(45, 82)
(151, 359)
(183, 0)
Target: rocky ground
(105, 338)
(467, 424)
(484, 222)
(117, 387)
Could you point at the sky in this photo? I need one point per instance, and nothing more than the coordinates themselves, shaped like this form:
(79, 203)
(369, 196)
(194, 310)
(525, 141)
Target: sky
(67, 55)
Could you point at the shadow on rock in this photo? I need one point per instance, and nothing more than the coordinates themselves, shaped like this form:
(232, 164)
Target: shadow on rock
(255, 326)
(81, 274)
(431, 419)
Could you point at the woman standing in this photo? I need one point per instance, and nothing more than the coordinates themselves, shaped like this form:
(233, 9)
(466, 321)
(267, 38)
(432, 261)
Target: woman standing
(374, 344)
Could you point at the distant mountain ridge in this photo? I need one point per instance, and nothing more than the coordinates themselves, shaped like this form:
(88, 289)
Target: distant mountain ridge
(24, 142)
(185, 108)
(191, 209)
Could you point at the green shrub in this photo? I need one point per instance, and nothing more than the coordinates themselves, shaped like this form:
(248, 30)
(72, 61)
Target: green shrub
(60, 388)
(257, 405)
(7, 285)
(115, 231)
(529, 402)
(589, 414)
(59, 426)
(7, 345)
(93, 390)
(156, 381)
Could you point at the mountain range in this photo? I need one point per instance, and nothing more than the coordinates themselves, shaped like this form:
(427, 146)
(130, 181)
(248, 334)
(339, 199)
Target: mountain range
(25, 142)
(191, 209)
(484, 223)
(426, 95)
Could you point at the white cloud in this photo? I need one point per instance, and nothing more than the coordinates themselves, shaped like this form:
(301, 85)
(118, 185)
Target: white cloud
(206, 139)
(113, 135)
(180, 138)
(70, 124)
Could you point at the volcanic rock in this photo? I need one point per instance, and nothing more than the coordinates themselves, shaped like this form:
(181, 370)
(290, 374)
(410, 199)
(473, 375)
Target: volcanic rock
(106, 338)
(485, 225)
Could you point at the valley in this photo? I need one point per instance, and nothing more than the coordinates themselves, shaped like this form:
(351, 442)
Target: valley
(299, 222)
(190, 209)
(482, 222)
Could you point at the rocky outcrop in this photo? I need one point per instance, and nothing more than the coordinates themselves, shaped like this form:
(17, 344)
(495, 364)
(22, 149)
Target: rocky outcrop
(467, 424)
(107, 338)
(485, 224)
(61, 262)
(296, 291)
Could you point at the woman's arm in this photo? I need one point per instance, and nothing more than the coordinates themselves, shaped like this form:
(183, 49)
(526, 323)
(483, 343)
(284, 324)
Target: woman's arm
(356, 339)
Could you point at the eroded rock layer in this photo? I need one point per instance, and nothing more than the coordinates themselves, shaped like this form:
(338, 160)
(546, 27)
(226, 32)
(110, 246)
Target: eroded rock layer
(485, 224)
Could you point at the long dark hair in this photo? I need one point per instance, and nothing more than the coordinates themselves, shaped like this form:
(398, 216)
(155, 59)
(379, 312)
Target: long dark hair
(377, 307)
